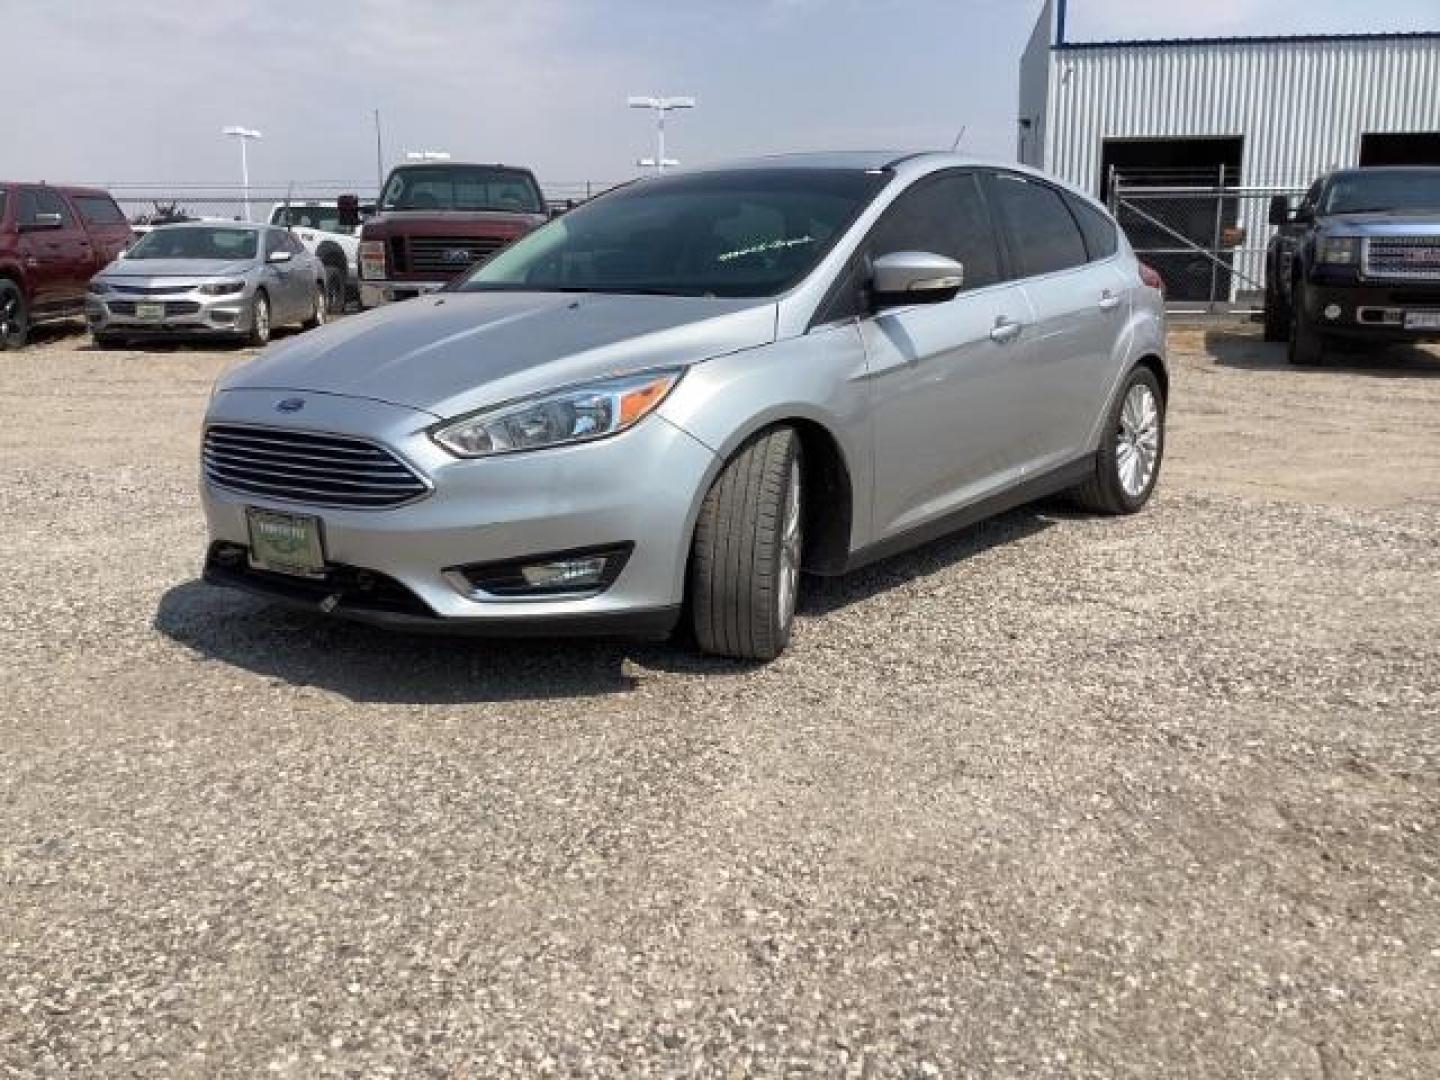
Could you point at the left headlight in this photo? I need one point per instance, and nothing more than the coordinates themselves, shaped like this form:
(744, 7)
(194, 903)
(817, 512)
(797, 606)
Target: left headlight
(574, 415)
(1339, 250)
(224, 288)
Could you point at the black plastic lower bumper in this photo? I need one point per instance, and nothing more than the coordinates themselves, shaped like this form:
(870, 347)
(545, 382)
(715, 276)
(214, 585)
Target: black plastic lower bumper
(361, 597)
(1371, 311)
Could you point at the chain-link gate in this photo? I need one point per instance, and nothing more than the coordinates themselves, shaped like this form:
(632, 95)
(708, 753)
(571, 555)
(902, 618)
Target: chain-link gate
(1207, 242)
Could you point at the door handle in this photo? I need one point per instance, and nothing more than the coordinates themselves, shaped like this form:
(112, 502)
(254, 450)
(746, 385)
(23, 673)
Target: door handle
(1006, 330)
(1109, 301)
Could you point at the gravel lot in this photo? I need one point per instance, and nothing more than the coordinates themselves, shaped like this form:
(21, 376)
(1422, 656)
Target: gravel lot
(1058, 797)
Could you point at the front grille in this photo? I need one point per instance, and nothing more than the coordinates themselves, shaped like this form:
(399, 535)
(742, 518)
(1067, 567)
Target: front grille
(1414, 258)
(450, 255)
(173, 307)
(304, 467)
(153, 290)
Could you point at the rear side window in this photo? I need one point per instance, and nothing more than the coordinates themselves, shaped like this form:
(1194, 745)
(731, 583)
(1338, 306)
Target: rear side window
(1097, 228)
(945, 215)
(1043, 235)
(49, 202)
(3, 195)
(98, 209)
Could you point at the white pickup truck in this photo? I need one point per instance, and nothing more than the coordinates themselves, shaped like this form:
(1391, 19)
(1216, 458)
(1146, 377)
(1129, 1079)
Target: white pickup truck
(320, 225)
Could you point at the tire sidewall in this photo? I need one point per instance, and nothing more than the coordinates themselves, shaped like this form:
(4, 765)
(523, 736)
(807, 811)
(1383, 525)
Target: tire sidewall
(256, 338)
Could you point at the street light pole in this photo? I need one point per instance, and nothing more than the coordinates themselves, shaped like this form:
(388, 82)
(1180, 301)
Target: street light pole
(244, 135)
(660, 106)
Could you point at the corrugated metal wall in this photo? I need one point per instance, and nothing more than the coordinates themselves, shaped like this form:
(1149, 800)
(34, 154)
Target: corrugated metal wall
(1300, 106)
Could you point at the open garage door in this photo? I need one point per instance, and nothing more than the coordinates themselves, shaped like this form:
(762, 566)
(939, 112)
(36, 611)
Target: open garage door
(1400, 148)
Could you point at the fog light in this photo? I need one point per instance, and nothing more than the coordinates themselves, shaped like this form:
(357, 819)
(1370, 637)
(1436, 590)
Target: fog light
(1332, 312)
(590, 570)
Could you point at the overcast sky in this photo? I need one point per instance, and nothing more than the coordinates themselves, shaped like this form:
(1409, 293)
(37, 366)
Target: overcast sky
(138, 90)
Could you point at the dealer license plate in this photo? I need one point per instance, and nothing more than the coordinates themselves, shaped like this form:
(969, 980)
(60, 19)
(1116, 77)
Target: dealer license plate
(1422, 320)
(285, 543)
(153, 312)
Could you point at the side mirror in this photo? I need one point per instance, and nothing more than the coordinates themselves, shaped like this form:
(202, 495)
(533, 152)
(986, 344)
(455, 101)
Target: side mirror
(914, 277)
(347, 208)
(280, 257)
(41, 222)
(1279, 210)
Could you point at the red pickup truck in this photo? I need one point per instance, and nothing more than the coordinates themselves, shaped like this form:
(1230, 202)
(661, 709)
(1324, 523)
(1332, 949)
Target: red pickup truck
(436, 221)
(53, 240)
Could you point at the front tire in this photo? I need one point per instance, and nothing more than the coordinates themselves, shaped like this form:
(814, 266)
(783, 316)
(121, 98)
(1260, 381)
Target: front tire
(1277, 312)
(319, 307)
(745, 561)
(1307, 345)
(1128, 464)
(336, 288)
(14, 317)
(259, 320)
(108, 341)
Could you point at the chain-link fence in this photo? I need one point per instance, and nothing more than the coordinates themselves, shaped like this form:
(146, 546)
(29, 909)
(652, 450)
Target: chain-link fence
(1207, 242)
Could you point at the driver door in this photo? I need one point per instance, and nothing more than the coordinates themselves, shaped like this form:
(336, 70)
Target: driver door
(946, 380)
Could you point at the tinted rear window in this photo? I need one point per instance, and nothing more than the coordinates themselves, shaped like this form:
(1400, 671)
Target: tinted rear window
(3, 194)
(1042, 231)
(98, 209)
(1099, 231)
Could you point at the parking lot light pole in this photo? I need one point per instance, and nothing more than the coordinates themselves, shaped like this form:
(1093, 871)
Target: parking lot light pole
(244, 135)
(660, 106)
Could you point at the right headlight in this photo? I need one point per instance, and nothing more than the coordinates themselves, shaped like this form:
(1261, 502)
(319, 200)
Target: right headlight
(224, 288)
(574, 415)
(1338, 250)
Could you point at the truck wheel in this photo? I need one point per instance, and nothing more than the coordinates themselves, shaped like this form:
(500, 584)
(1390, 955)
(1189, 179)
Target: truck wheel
(335, 290)
(14, 318)
(259, 319)
(1277, 313)
(745, 562)
(1307, 345)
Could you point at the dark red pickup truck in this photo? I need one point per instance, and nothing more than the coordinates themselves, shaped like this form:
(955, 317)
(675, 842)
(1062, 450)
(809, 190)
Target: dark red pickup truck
(53, 240)
(437, 220)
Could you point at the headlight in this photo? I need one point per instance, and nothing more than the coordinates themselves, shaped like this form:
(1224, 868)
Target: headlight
(579, 414)
(223, 289)
(98, 288)
(1339, 250)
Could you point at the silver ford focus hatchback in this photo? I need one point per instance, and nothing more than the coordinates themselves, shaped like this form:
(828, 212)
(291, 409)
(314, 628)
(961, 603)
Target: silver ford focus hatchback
(668, 403)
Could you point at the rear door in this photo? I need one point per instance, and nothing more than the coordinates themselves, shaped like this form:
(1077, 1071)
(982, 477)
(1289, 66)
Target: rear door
(110, 233)
(943, 377)
(1080, 306)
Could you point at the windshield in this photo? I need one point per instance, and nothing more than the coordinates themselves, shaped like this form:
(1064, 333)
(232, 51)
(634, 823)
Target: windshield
(190, 242)
(742, 233)
(462, 187)
(1355, 193)
(324, 218)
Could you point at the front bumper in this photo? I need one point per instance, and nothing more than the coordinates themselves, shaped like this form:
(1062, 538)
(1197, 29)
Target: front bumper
(375, 293)
(1371, 311)
(189, 312)
(641, 487)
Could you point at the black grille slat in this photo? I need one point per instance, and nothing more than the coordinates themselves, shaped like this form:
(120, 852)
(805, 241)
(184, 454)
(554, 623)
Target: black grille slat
(307, 467)
(429, 253)
(154, 290)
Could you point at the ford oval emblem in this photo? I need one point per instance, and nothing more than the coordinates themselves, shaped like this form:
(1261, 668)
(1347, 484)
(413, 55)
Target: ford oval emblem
(290, 404)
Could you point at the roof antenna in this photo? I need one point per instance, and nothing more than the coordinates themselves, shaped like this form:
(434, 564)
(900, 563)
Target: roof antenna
(956, 144)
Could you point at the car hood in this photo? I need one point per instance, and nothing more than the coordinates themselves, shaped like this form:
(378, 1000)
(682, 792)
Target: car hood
(176, 268)
(454, 352)
(1398, 223)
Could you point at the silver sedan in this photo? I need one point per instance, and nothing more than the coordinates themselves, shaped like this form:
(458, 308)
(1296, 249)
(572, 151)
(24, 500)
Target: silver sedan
(670, 402)
(203, 278)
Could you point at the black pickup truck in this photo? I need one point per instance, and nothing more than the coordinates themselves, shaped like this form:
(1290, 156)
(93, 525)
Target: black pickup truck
(1357, 261)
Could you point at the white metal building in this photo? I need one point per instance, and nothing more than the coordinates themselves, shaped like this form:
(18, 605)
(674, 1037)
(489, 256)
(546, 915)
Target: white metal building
(1279, 111)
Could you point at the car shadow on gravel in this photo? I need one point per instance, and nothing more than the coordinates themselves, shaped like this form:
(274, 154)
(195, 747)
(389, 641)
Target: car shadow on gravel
(366, 664)
(1247, 351)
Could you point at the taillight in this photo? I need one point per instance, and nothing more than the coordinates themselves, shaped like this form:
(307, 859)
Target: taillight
(372, 259)
(1152, 279)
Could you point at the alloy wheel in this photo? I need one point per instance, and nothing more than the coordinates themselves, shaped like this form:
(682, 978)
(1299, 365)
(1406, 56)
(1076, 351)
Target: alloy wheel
(790, 549)
(262, 320)
(1137, 443)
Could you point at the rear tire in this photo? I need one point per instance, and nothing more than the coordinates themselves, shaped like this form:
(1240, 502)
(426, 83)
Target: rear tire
(14, 317)
(259, 320)
(745, 560)
(1127, 467)
(1307, 345)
